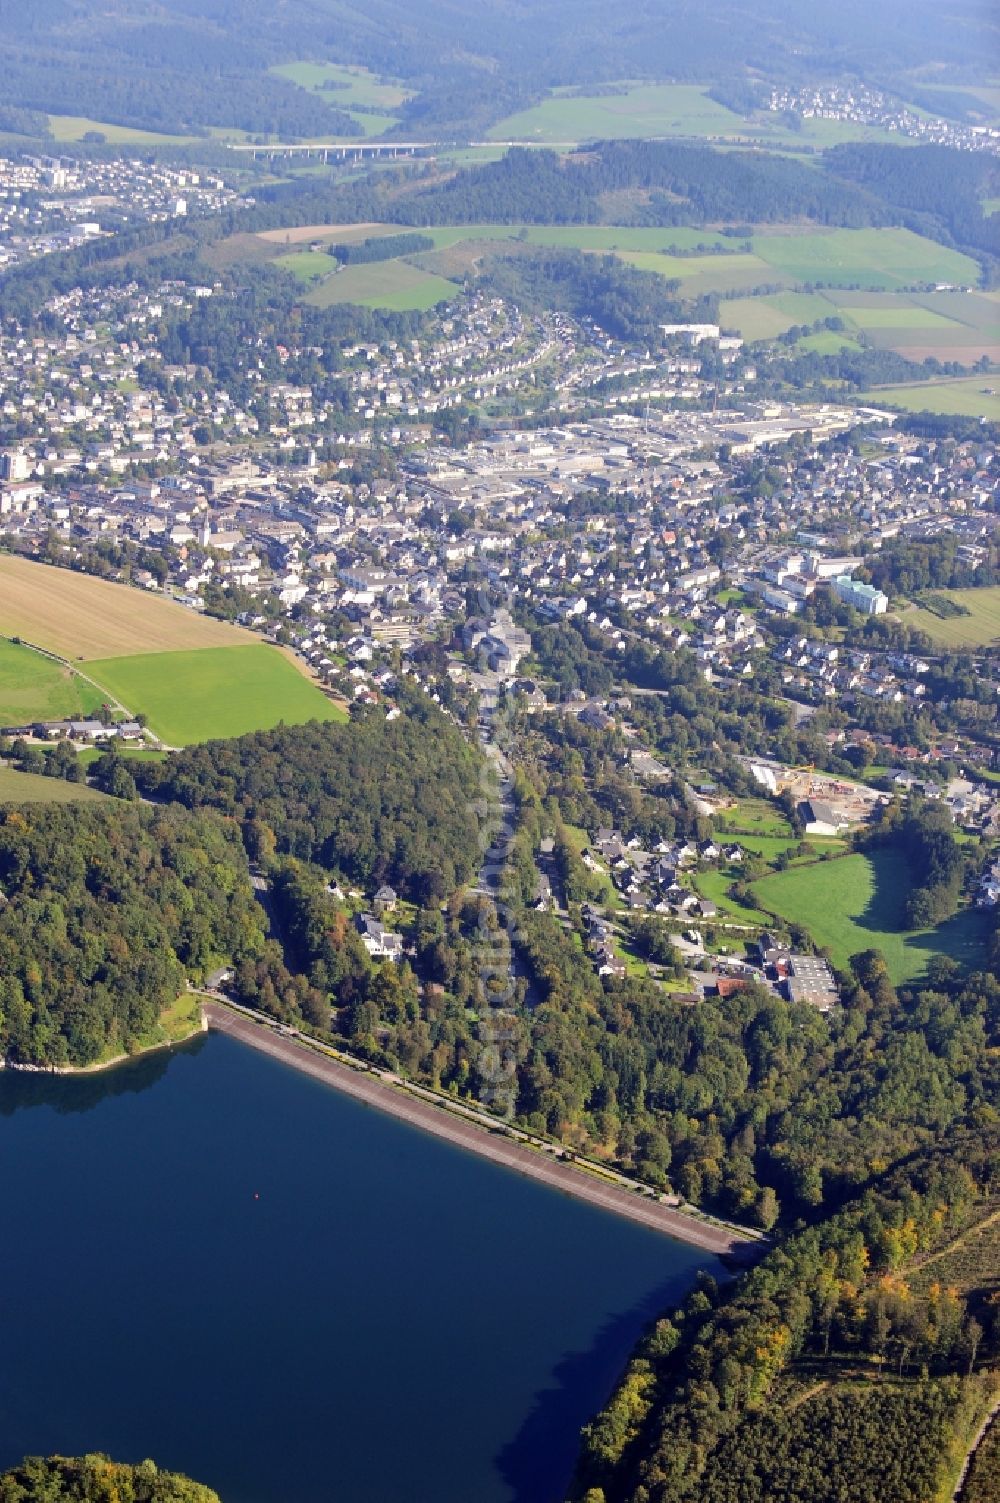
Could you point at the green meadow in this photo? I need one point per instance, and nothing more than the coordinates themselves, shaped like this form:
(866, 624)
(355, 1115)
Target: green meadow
(307, 266)
(958, 326)
(980, 628)
(826, 343)
(343, 88)
(877, 258)
(854, 903)
(33, 687)
(352, 85)
(714, 885)
(396, 285)
(767, 317)
(754, 816)
(969, 396)
(128, 752)
(737, 272)
(214, 692)
(638, 110)
(589, 237)
(75, 127)
(31, 788)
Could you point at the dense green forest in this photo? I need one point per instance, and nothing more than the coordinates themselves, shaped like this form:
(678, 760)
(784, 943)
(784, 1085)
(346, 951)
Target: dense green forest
(106, 910)
(750, 1105)
(872, 1441)
(96, 1479)
(628, 303)
(983, 1482)
(381, 248)
(680, 184)
(935, 860)
(938, 191)
(375, 801)
(182, 98)
(905, 566)
(828, 1373)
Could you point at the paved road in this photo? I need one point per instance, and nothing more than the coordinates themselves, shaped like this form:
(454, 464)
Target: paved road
(496, 1146)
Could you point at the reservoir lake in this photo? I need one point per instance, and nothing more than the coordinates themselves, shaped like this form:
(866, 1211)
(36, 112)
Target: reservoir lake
(213, 1260)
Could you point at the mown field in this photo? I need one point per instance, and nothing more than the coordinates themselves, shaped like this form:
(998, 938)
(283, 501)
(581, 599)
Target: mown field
(639, 110)
(714, 885)
(80, 617)
(875, 258)
(216, 692)
(33, 687)
(193, 677)
(662, 109)
(855, 902)
(307, 266)
(970, 396)
(950, 325)
(737, 272)
(754, 816)
(980, 628)
(826, 342)
(75, 127)
(767, 317)
(31, 788)
(396, 285)
(129, 753)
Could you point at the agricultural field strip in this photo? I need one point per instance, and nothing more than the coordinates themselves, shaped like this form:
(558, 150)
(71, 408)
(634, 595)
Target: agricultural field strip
(36, 687)
(34, 788)
(975, 396)
(79, 617)
(891, 319)
(207, 693)
(980, 628)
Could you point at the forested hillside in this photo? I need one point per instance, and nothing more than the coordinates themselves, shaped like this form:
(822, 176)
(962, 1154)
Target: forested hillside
(375, 801)
(832, 1371)
(96, 1479)
(105, 911)
(203, 62)
(936, 191)
(678, 184)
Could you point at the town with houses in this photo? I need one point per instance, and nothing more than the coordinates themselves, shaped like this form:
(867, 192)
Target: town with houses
(52, 203)
(657, 498)
(862, 105)
(500, 751)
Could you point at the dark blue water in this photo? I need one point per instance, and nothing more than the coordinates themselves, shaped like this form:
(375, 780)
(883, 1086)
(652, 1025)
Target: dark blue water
(212, 1260)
